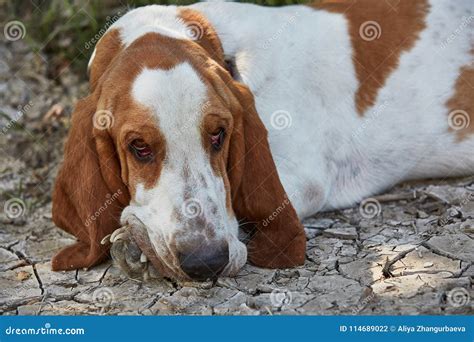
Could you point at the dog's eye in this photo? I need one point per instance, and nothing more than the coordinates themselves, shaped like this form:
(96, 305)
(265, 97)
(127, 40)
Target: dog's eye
(217, 139)
(141, 150)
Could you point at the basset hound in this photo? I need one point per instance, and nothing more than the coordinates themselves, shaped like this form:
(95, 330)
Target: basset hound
(208, 118)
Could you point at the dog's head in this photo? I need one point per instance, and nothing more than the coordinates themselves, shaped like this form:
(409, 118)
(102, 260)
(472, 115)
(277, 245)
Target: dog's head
(168, 137)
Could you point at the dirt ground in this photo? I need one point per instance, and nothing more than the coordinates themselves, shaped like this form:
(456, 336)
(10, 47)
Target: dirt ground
(409, 251)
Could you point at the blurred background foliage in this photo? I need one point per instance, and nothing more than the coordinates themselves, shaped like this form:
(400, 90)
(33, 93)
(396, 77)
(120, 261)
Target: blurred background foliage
(63, 30)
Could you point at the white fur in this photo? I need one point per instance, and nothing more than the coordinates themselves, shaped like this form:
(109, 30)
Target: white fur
(187, 187)
(298, 63)
(159, 19)
(138, 22)
(304, 67)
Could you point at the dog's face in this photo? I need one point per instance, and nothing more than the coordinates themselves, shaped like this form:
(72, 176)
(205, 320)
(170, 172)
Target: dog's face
(182, 143)
(171, 129)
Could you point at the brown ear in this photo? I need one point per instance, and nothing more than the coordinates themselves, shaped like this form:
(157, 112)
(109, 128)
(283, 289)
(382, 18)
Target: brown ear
(257, 193)
(200, 30)
(89, 194)
(107, 48)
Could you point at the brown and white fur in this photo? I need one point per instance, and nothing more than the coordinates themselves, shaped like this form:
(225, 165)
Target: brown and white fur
(322, 106)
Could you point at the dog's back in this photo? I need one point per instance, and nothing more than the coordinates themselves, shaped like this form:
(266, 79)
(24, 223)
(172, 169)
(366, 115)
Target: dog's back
(357, 95)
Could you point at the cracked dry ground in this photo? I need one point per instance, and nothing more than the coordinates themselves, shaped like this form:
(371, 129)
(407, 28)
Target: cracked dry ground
(415, 257)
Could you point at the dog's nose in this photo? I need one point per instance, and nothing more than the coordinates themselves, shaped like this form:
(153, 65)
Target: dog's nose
(205, 263)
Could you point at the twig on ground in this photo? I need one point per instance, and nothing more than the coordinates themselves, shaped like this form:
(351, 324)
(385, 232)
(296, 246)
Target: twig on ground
(389, 263)
(396, 197)
(438, 251)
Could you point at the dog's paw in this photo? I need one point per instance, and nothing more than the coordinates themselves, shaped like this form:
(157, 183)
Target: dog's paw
(127, 255)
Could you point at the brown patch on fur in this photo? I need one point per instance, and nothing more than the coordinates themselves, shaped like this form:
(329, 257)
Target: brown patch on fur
(107, 48)
(400, 23)
(97, 161)
(461, 104)
(85, 182)
(278, 240)
(216, 116)
(255, 187)
(205, 34)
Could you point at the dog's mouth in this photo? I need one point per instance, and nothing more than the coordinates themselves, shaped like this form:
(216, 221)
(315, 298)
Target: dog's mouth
(133, 252)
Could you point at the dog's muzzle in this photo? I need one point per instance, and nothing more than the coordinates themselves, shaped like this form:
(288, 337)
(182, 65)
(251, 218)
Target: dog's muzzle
(199, 259)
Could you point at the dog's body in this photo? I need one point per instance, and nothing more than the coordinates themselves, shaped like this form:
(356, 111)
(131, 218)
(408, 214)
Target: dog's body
(299, 64)
(356, 97)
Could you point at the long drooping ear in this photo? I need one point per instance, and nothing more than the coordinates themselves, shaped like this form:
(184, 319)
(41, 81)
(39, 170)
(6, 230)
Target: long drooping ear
(257, 193)
(106, 49)
(89, 194)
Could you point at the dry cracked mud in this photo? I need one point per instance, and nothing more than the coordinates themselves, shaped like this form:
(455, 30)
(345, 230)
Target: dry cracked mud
(409, 251)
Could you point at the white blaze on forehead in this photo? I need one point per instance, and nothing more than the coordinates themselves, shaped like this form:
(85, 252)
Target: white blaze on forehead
(164, 20)
(177, 98)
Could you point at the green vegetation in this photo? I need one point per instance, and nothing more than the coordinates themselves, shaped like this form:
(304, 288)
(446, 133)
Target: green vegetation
(65, 29)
